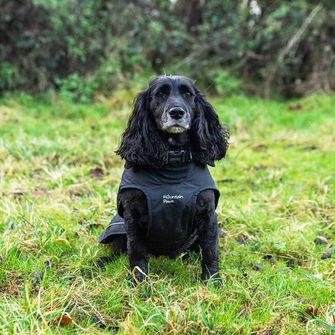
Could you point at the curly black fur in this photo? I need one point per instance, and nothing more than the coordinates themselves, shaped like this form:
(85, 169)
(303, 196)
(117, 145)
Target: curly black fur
(141, 142)
(145, 143)
(208, 137)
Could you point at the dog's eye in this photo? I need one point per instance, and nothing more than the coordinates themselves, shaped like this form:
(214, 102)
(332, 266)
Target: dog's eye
(187, 94)
(160, 94)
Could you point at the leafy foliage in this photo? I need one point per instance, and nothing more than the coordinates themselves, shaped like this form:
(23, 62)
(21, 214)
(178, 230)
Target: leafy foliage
(280, 47)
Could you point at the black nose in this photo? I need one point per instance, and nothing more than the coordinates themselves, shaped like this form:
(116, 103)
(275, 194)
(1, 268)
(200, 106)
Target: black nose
(176, 113)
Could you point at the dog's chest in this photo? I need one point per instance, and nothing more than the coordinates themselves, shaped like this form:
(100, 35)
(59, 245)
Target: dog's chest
(171, 195)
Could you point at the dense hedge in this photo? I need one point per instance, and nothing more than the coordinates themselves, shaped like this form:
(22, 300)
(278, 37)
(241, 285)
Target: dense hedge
(87, 46)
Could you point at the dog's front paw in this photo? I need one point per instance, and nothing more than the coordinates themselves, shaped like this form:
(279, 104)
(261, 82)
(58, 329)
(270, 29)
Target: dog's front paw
(137, 276)
(212, 278)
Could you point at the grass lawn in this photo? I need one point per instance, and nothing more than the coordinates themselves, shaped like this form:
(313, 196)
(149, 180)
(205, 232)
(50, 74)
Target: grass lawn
(59, 177)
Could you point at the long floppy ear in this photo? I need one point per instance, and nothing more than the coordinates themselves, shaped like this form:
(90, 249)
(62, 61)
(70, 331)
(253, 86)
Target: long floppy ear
(208, 135)
(141, 144)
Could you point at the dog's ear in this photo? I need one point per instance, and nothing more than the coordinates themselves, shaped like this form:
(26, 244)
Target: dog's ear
(141, 144)
(209, 137)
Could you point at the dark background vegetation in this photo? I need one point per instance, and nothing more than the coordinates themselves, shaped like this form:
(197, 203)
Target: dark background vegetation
(85, 48)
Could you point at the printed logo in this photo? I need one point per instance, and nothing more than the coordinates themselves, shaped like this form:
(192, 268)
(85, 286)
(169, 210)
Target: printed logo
(169, 199)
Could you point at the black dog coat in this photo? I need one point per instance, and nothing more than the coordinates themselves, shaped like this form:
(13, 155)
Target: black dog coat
(171, 194)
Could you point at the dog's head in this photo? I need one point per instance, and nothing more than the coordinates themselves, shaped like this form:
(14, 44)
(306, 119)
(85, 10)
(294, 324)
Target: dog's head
(172, 103)
(170, 106)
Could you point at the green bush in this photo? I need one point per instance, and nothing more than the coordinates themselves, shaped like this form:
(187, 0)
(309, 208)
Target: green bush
(280, 47)
(225, 83)
(9, 77)
(74, 88)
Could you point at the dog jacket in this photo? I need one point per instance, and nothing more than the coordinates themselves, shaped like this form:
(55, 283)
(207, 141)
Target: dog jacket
(171, 194)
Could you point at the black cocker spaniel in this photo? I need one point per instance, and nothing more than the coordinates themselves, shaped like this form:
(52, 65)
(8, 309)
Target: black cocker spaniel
(167, 197)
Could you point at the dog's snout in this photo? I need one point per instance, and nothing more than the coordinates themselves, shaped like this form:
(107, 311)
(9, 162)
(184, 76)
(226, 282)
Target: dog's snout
(176, 113)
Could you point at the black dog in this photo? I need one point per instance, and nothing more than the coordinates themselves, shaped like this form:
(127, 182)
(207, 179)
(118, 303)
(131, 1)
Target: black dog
(167, 198)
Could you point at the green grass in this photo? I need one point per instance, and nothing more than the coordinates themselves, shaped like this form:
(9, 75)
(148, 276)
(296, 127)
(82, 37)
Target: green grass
(277, 197)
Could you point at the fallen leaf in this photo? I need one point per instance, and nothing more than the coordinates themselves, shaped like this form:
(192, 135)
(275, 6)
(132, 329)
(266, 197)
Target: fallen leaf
(96, 172)
(65, 319)
(312, 311)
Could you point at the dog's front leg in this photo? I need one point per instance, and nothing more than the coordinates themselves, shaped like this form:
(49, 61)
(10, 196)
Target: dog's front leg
(137, 251)
(208, 234)
(135, 212)
(210, 253)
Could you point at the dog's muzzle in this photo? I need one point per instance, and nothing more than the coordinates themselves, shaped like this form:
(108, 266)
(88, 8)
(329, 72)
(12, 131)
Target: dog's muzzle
(176, 113)
(177, 120)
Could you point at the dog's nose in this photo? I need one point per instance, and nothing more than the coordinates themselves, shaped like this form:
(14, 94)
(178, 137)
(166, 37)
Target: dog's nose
(176, 113)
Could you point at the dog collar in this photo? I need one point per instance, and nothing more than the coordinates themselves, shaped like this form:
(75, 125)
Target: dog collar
(179, 156)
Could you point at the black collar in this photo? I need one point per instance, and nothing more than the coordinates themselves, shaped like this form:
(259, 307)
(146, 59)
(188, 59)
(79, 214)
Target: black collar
(179, 156)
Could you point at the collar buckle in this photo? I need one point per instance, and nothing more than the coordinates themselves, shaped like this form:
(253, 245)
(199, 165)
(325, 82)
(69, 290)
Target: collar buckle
(179, 156)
